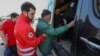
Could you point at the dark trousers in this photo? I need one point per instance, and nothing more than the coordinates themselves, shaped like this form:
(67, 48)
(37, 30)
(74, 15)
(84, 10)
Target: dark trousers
(53, 45)
(11, 51)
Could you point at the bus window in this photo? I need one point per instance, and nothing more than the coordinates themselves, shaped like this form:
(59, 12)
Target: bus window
(96, 8)
(51, 6)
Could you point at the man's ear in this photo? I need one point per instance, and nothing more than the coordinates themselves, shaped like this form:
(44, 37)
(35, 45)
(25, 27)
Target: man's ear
(43, 17)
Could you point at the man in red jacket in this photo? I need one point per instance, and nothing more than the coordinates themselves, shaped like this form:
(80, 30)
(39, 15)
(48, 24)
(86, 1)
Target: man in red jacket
(26, 39)
(7, 34)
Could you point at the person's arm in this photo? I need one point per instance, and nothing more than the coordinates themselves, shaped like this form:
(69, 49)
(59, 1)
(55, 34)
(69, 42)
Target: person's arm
(3, 30)
(3, 36)
(63, 8)
(29, 37)
(53, 31)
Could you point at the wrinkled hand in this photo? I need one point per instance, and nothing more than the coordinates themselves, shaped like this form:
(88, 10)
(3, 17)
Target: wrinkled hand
(71, 24)
(5, 43)
(44, 35)
(57, 11)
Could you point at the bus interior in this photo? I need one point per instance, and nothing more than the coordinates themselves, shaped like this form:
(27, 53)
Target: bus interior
(64, 12)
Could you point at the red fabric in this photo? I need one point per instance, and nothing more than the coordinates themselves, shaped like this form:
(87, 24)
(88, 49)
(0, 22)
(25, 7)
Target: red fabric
(25, 34)
(8, 29)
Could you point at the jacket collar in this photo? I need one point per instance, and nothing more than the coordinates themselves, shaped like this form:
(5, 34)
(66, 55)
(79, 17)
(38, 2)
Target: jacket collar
(41, 19)
(24, 18)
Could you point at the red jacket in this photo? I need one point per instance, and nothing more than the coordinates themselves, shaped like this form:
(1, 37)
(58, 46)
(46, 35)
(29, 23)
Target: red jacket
(26, 39)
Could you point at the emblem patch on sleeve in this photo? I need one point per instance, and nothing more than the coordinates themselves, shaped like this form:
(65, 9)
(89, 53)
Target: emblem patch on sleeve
(30, 34)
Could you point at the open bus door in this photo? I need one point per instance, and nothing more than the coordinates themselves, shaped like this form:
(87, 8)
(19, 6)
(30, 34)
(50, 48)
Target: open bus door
(67, 12)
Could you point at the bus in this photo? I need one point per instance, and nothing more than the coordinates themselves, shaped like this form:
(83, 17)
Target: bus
(84, 38)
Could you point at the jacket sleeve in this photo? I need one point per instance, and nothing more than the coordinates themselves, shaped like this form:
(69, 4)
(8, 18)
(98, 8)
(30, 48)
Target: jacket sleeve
(45, 28)
(29, 37)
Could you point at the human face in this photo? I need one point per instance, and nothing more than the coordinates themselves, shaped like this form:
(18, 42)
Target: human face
(31, 14)
(15, 19)
(57, 11)
(47, 17)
